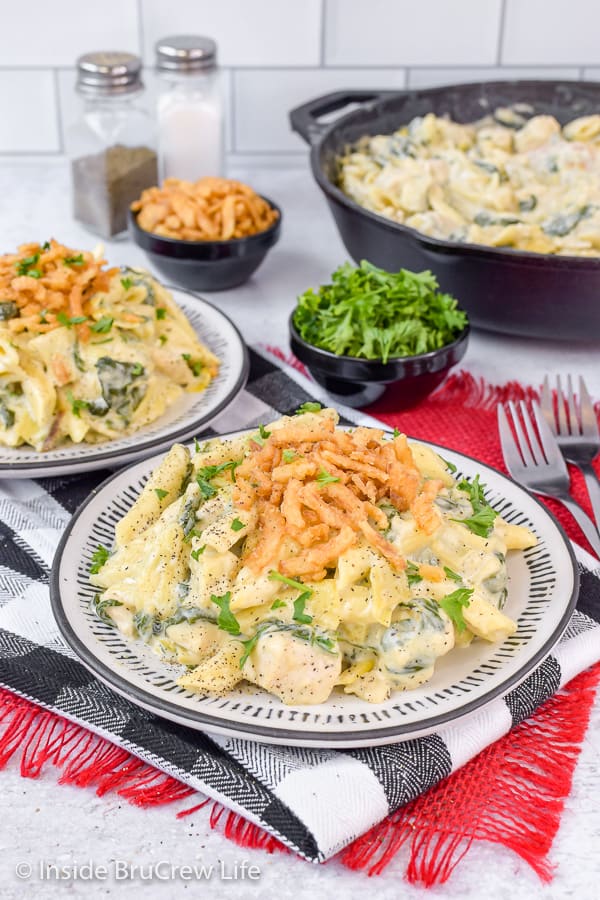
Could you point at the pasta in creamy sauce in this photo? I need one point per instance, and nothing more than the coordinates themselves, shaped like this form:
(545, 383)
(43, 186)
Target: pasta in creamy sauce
(504, 181)
(304, 559)
(98, 375)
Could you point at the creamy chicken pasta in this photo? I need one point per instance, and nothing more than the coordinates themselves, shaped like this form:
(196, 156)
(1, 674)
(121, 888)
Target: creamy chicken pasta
(505, 181)
(304, 559)
(88, 353)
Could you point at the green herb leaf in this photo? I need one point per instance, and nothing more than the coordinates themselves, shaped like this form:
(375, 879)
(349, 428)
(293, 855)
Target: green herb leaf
(482, 520)
(325, 478)
(127, 283)
(35, 273)
(396, 433)
(99, 557)
(412, 573)
(450, 466)
(24, 265)
(277, 604)
(369, 313)
(276, 576)
(226, 620)
(453, 605)
(206, 488)
(263, 432)
(288, 456)
(137, 369)
(453, 575)
(194, 365)
(76, 403)
(67, 321)
(197, 553)
(160, 493)
(236, 525)
(248, 646)
(103, 325)
(299, 604)
(46, 245)
(309, 407)
(161, 312)
(163, 338)
(74, 260)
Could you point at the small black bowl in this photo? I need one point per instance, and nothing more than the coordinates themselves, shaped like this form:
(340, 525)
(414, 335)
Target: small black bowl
(206, 265)
(405, 380)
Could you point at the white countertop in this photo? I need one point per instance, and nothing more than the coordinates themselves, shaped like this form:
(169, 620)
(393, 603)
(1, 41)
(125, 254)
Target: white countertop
(65, 825)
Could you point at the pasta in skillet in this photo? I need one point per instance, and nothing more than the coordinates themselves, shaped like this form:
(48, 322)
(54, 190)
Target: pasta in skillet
(88, 353)
(505, 181)
(305, 559)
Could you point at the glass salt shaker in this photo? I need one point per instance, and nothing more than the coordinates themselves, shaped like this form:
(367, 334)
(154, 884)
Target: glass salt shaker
(112, 145)
(190, 108)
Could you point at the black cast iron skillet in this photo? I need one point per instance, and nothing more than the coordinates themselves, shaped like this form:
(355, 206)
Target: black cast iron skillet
(503, 290)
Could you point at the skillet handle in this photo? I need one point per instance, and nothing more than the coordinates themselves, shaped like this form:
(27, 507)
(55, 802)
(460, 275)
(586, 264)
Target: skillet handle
(304, 119)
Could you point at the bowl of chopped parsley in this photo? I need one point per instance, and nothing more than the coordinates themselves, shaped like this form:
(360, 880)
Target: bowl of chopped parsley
(370, 333)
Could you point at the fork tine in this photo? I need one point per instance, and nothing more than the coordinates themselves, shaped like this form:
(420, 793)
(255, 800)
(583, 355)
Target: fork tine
(589, 422)
(548, 441)
(563, 425)
(575, 427)
(524, 449)
(536, 448)
(510, 450)
(547, 405)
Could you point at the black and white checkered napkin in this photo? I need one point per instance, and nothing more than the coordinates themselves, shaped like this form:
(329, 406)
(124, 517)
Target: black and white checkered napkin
(292, 793)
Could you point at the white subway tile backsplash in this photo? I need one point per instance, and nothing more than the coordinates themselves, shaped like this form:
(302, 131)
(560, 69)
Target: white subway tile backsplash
(405, 33)
(56, 33)
(553, 32)
(28, 112)
(424, 78)
(263, 99)
(248, 32)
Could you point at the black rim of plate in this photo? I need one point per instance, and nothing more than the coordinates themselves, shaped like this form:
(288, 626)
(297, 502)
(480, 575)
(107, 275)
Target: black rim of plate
(142, 447)
(173, 712)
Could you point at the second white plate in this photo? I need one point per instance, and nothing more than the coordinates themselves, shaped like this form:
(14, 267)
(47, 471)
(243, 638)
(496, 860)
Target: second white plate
(190, 412)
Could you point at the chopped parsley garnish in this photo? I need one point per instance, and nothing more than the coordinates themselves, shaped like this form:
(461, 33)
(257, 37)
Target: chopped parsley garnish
(237, 525)
(226, 620)
(453, 575)
(163, 338)
(482, 520)
(299, 604)
(207, 473)
(137, 369)
(248, 646)
(277, 576)
(197, 553)
(161, 312)
(194, 365)
(99, 557)
(373, 314)
(308, 407)
(76, 404)
(263, 432)
(206, 488)
(24, 265)
(277, 604)
(450, 466)
(453, 605)
(288, 456)
(127, 283)
(324, 477)
(74, 260)
(412, 573)
(69, 321)
(396, 433)
(34, 273)
(103, 325)
(160, 493)
(46, 245)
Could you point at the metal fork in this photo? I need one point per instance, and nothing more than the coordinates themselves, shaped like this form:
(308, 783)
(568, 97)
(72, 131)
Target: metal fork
(537, 463)
(577, 433)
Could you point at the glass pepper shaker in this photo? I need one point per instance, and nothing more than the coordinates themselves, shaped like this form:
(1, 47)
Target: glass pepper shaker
(112, 145)
(190, 108)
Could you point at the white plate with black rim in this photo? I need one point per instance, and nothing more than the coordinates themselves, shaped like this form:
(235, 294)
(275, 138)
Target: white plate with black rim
(543, 587)
(181, 421)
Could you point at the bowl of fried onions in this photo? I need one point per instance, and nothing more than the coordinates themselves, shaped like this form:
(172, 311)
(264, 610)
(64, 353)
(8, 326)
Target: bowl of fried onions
(210, 235)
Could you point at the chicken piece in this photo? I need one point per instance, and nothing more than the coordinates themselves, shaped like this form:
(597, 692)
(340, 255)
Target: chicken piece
(293, 669)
